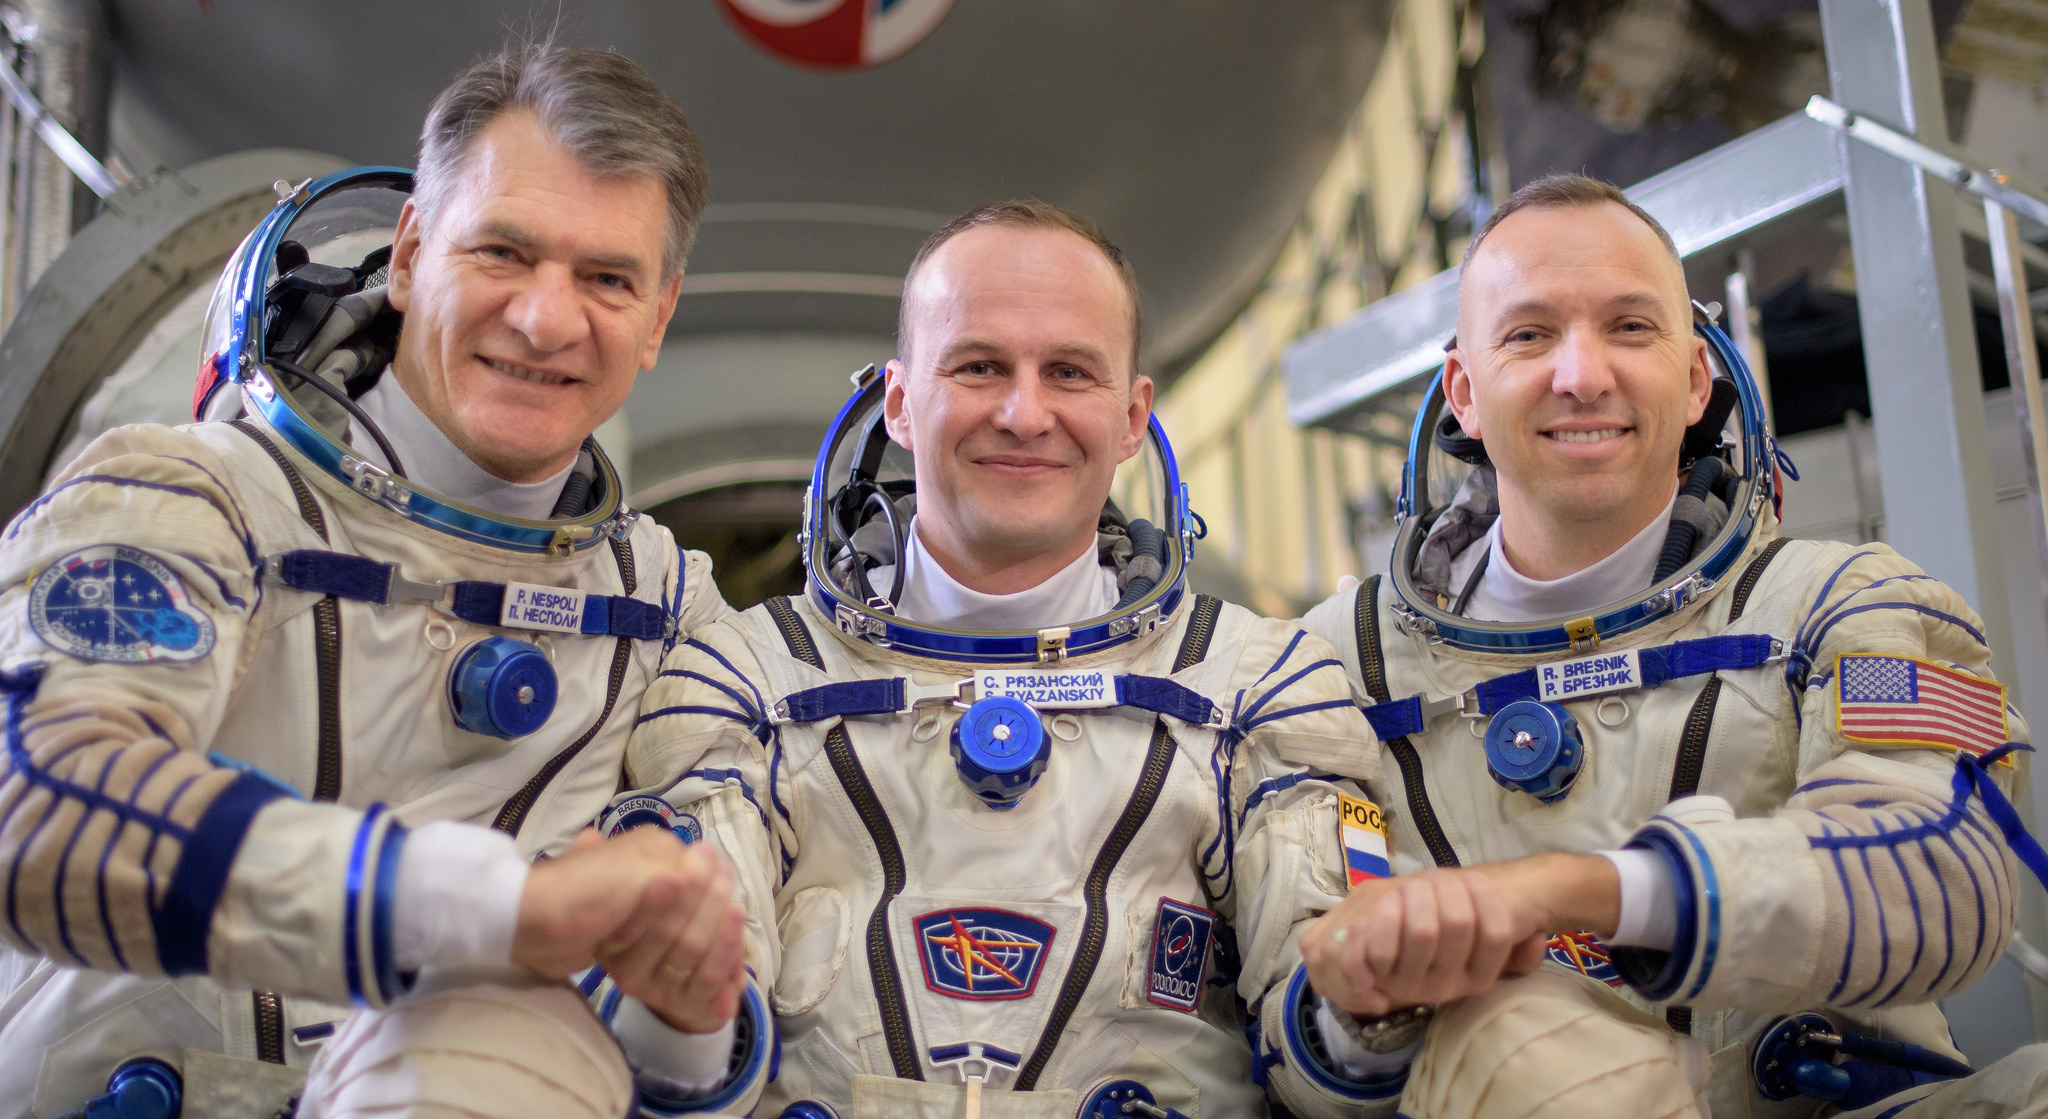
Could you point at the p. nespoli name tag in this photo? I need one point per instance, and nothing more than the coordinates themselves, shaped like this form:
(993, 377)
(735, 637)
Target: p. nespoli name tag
(1049, 689)
(1593, 675)
(530, 606)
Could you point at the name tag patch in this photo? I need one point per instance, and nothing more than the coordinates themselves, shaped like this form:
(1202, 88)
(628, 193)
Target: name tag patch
(1049, 689)
(531, 606)
(1364, 831)
(1180, 954)
(1588, 676)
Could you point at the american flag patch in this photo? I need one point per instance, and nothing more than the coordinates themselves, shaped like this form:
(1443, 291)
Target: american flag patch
(1902, 701)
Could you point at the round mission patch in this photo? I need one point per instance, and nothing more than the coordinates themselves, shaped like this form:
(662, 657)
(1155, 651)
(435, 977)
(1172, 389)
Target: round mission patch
(114, 603)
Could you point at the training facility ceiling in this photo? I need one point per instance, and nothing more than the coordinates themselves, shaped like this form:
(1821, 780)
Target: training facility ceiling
(1191, 130)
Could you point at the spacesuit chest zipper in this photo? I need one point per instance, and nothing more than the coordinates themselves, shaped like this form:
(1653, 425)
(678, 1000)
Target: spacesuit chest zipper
(1095, 892)
(1372, 667)
(513, 815)
(266, 1007)
(882, 973)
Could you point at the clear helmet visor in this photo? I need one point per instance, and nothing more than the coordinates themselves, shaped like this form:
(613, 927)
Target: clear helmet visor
(858, 519)
(348, 226)
(1727, 462)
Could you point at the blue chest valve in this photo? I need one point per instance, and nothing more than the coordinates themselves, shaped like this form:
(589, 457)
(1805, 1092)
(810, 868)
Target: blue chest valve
(1534, 747)
(144, 1088)
(1121, 1098)
(1001, 749)
(502, 687)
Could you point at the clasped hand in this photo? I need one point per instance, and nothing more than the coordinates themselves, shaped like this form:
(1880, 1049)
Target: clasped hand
(1423, 938)
(659, 916)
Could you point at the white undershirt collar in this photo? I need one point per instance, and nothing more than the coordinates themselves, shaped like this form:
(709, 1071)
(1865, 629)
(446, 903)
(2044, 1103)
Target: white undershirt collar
(1507, 595)
(435, 464)
(1082, 589)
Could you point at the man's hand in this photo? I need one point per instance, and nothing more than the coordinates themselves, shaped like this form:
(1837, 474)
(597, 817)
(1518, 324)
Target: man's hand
(684, 951)
(659, 915)
(1445, 934)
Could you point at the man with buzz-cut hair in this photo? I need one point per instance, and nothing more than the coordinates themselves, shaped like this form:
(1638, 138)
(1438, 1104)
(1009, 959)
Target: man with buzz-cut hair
(296, 695)
(1022, 827)
(1745, 797)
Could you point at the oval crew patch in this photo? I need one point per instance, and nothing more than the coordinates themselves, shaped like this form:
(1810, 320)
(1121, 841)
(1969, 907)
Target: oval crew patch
(114, 603)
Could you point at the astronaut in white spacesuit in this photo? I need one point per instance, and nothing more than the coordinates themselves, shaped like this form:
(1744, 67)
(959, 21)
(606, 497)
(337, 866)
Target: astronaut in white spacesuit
(1018, 821)
(1767, 778)
(294, 694)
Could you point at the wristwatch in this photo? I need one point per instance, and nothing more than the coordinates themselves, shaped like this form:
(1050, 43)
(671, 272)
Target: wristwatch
(1389, 1033)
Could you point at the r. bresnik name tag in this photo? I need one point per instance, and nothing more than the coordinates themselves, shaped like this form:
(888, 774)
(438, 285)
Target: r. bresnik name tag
(1089, 688)
(531, 606)
(1593, 675)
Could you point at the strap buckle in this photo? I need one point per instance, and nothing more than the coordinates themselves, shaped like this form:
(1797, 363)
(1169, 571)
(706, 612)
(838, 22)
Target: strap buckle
(438, 595)
(373, 482)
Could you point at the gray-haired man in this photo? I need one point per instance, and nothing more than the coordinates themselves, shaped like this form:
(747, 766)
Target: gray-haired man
(273, 681)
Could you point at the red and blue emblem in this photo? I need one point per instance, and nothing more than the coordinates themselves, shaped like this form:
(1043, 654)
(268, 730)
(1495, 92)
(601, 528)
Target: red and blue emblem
(1181, 935)
(1583, 953)
(837, 34)
(982, 955)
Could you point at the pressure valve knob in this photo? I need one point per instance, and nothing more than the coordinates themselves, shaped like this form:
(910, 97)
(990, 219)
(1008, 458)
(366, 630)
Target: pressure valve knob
(1000, 749)
(144, 1088)
(1534, 747)
(502, 687)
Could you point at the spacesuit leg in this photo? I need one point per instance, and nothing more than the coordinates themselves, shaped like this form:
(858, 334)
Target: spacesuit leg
(1553, 1046)
(2013, 1088)
(497, 1045)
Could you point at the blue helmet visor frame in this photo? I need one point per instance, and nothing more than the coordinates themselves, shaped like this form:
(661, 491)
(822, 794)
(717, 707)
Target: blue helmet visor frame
(1147, 487)
(1431, 478)
(338, 220)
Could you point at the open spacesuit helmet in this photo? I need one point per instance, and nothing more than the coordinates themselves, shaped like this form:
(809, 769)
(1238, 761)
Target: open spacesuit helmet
(857, 519)
(1728, 464)
(299, 323)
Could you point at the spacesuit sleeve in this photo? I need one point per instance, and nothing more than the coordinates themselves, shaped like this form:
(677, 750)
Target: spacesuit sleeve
(1884, 878)
(701, 759)
(1303, 753)
(124, 628)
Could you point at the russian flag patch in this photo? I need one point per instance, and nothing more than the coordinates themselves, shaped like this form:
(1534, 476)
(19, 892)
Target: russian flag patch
(1364, 832)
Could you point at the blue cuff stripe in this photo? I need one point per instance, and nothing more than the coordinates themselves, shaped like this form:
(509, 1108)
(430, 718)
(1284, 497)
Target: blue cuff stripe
(352, 907)
(182, 919)
(390, 983)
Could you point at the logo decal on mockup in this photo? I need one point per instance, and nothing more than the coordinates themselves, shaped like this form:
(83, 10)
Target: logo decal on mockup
(982, 955)
(837, 34)
(1180, 954)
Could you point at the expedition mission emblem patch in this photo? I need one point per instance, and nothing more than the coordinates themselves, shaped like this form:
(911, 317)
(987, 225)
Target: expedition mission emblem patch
(982, 954)
(114, 603)
(1180, 954)
(1583, 953)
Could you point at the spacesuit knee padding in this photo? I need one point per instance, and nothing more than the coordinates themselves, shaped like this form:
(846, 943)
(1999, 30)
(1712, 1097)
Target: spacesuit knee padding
(506, 1048)
(1552, 1044)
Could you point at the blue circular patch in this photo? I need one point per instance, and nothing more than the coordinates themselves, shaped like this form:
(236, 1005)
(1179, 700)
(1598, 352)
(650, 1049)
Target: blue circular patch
(111, 602)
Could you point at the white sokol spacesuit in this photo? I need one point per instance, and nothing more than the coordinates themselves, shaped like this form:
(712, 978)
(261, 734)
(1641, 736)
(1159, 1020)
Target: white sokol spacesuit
(1783, 738)
(244, 659)
(1032, 867)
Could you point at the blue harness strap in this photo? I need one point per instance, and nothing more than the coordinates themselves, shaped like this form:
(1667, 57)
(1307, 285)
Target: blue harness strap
(1161, 696)
(1154, 694)
(1660, 664)
(361, 579)
(1976, 769)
